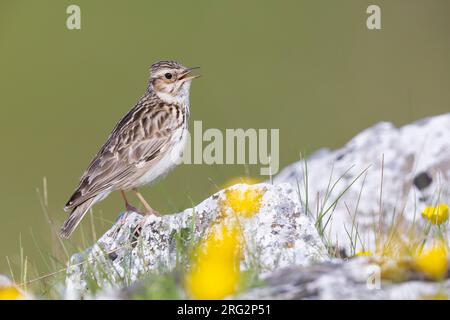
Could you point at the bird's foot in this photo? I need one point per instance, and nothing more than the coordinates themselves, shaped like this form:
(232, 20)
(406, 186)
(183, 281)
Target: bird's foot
(152, 212)
(141, 224)
(146, 212)
(130, 208)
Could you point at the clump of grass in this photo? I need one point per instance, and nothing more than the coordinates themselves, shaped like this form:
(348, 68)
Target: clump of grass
(164, 286)
(397, 244)
(325, 206)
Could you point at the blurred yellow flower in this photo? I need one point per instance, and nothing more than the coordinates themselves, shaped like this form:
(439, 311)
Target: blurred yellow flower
(244, 202)
(10, 293)
(433, 262)
(363, 254)
(215, 272)
(394, 257)
(436, 215)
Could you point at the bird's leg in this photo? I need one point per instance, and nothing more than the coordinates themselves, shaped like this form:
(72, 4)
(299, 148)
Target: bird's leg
(149, 209)
(124, 216)
(128, 206)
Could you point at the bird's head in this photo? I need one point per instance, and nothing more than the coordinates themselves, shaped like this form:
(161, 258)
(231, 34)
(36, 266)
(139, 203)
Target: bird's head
(171, 81)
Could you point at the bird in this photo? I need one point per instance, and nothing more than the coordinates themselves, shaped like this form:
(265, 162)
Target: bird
(143, 147)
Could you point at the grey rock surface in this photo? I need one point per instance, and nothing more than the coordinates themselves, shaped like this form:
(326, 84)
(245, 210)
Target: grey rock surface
(277, 236)
(412, 161)
(343, 280)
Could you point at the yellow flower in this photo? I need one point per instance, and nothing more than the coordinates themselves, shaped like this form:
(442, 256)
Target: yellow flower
(215, 272)
(244, 202)
(363, 254)
(10, 293)
(436, 215)
(433, 262)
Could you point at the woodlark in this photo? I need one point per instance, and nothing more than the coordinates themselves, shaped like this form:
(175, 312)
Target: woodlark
(143, 147)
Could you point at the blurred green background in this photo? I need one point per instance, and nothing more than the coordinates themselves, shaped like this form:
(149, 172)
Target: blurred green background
(310, 68)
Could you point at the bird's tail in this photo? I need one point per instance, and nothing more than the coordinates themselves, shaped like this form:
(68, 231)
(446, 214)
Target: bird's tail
(75, 217)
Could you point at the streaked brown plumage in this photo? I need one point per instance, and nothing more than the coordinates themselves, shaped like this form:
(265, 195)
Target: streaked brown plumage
(144, 145)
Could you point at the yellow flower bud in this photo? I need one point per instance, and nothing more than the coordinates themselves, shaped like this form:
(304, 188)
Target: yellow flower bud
(436, 215)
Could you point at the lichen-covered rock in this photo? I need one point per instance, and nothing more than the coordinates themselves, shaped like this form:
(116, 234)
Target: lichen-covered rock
(338, 279)
(277, 234)
(407, 168)
(379, 183)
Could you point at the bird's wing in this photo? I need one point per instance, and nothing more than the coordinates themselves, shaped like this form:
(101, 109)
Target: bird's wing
(140, 138)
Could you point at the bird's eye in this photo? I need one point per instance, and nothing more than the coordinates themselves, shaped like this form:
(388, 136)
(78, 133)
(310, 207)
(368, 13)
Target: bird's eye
(168, 75)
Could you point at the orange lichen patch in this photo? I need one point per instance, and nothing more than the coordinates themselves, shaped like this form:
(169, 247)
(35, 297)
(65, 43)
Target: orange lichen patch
(215, 272)
(433, 263)
(436, 215)
(10, 293)
(244, 202)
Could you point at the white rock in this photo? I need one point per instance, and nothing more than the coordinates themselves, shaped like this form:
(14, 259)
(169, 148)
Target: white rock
(279, 235)
(416, 170)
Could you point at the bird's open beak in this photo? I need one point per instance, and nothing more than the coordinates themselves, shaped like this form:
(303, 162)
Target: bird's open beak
(186, 75)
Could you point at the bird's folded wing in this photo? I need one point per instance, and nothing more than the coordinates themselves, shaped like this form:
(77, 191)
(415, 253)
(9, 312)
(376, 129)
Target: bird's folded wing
(121, 157)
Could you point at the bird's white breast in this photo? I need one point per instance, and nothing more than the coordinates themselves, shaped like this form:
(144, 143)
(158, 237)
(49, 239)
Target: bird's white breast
(169, 161)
